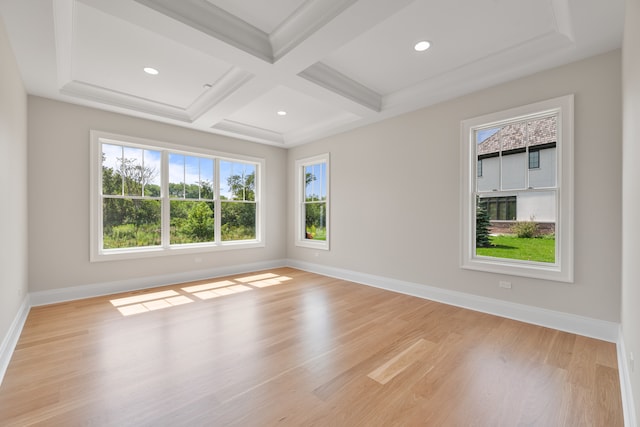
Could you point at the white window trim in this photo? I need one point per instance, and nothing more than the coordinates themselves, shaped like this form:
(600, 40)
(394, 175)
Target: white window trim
(96, 251)
(562, 269)
(300, 239)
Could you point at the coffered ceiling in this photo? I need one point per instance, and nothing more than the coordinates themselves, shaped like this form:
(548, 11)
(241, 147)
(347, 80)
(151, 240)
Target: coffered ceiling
(229, 66)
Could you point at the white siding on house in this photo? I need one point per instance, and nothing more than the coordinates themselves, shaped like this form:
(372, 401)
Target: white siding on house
(536, 205)
(514, 171)
(490, 179)
(545, 175)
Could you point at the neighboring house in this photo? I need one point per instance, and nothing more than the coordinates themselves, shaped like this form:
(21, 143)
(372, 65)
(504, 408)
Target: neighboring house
(516, 172)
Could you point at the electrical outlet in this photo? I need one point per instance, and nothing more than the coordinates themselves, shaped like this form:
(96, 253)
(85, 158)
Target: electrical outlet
(505, 285)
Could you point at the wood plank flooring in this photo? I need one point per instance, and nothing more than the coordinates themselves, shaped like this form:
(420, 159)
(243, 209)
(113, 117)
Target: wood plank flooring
(286, 347)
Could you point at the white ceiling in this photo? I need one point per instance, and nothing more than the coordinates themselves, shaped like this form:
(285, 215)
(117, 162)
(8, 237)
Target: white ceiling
(228, 66)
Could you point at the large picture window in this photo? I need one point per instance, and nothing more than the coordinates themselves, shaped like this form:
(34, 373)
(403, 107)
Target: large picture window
(152, 198)
(518, 211)
(312, 200)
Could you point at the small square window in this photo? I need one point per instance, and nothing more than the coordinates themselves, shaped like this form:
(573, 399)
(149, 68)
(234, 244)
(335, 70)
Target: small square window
(534, 159)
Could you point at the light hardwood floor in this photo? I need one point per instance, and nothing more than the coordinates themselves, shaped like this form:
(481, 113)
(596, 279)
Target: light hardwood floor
(286, 347)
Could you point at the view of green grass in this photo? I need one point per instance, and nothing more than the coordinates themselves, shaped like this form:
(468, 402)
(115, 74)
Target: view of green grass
(540, 249)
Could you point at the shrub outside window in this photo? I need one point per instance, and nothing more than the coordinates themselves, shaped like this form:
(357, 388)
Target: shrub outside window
(151, 198)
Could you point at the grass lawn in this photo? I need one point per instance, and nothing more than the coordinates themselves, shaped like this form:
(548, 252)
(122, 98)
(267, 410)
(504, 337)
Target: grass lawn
(541, 249)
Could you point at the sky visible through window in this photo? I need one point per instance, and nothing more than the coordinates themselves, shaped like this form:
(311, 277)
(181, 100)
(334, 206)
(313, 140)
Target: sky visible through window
(316, 184)
(182, 168)
(483, 134)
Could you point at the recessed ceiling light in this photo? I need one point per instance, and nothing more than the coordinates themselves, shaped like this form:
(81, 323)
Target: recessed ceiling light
(281, 113)
(151, 70)
(207, 86)
(421, 46)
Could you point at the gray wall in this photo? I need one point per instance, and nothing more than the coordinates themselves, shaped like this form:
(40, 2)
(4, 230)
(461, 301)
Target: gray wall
(59, 197)
(395, 192)
(13, 179)
(631, 192)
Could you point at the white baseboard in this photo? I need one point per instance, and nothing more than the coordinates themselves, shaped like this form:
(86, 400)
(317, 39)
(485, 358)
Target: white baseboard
(626, 391)
(9, 342)
(106, 288)
(586, 326)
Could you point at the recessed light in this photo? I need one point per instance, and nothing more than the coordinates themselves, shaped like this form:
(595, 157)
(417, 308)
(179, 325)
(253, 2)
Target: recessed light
(151, 70)
(421, 46)
(207, 86)
(281, 113)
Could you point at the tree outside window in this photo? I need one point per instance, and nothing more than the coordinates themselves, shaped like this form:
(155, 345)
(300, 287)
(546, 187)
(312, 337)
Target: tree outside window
(149, 198)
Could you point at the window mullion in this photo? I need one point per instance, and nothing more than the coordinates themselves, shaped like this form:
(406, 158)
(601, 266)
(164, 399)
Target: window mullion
(217, 204)
(165, 223)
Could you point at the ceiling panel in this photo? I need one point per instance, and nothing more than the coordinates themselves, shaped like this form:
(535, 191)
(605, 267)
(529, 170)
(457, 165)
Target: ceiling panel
(461, 32)
(116, 62)
(302, 111)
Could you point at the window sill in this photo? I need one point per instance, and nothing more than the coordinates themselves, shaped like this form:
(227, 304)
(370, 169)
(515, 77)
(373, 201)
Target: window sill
(534, 270)
(319, 244)
(152, 252)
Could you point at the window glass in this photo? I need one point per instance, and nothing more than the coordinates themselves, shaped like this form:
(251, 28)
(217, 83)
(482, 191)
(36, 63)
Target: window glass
(237, 194)
(511, 197)
(517, 221)
(313, 202)
(152, 198)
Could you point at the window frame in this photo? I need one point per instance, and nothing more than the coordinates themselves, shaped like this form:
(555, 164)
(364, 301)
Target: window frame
(97, 253)
(562, 269)
(300, 223)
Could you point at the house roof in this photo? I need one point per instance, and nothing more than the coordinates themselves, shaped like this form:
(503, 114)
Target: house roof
(520, 135)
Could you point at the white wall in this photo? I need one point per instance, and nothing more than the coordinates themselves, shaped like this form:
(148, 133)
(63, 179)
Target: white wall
(631, 193)
(59, 198)
(539, 205)
(395, 189)
(13, 182)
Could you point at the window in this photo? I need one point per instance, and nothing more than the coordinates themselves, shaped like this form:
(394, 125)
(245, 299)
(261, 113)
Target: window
(479, 167)
(150, 198)
(312, 201)
(534, 159)
(524, 193)
(500, 208)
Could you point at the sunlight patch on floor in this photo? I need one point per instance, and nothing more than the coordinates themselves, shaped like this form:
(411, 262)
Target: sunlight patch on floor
(142, 298)
(219, 292)
(207, 286)
(150, 304)
(152, 301)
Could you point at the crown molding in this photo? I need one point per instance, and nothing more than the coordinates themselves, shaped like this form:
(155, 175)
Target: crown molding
(306, 20)
(330, 79)
(562, 15)
(229, 83)
(118, 99)
(252, 133)
(216, 22)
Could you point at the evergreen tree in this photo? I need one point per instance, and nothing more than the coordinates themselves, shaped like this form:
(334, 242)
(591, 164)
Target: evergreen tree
(482, 226)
